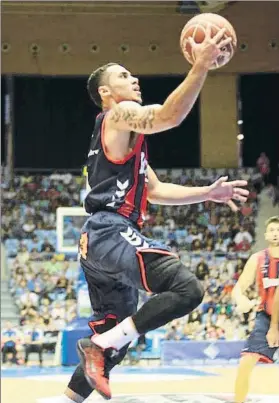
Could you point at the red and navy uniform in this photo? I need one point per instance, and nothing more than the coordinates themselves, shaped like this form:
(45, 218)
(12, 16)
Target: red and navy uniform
(112, 246)
(117, 186)
(267, 281)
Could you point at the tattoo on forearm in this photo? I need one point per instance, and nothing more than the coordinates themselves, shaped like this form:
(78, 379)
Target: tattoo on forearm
(135, 118)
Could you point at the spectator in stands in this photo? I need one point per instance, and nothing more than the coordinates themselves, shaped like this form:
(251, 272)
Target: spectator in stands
(29, 298)
(70, 293)
(9, 338)
(50, 337)
(209, 316)
(209, 229)
(34, 254)
(34, 338)
(195, 317)
(58, 315)
(28, 228)
(62, 283)
(48, 284)
(28, 312)
(70, 310)
(23, 255)
(209, 244)
(47, 246)
(173, 333)
(202, 269)
(45, 315)
(243, 246)
(239, 237)
(196, 246)
(263, 165)
(246, 209)
(211, 332)
(220, 246)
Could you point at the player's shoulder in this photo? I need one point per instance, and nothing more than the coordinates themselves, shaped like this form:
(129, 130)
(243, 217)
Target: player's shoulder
(258, 255)
(131, 106)
(124, 105)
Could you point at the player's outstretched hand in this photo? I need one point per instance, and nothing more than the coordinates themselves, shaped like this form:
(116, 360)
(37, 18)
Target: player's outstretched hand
(211, 48)
(273, 337)
(222, 191)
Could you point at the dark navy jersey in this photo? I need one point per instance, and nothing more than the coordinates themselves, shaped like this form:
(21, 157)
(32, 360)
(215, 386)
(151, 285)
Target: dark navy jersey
(117, 186)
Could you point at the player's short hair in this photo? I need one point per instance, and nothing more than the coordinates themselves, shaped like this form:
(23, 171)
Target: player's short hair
(94, 82)
(271, 220)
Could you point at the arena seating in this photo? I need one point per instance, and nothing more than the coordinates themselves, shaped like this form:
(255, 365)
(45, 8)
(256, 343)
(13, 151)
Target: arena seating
(212, 241)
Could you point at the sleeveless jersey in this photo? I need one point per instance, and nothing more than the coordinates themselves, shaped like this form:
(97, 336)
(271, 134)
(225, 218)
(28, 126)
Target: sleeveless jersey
(117, 186)
(267, 279)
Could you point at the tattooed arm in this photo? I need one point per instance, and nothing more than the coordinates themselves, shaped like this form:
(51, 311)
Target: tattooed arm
(127, 116)
(130, 116)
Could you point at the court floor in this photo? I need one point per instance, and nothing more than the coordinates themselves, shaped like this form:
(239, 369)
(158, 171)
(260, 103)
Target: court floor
(143, 385)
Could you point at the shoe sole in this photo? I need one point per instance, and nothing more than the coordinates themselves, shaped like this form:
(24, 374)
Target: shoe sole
(91, 383)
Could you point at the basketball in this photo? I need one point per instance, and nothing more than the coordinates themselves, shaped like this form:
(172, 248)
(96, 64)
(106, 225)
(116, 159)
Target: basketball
(196, 29)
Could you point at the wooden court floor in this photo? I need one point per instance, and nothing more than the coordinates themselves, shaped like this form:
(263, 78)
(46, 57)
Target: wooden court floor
(265, 381)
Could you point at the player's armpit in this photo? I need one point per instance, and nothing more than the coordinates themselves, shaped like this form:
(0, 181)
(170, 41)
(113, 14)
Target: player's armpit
(130, 116)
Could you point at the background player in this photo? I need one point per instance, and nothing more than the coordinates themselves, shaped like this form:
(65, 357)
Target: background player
(116, 258)
(264, 268)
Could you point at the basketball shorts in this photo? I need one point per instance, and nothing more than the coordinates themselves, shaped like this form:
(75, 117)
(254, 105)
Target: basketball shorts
(112, 255)
(257, 342)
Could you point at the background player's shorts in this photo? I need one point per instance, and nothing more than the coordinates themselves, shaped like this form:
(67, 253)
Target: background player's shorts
(111, 255)
(257, 342)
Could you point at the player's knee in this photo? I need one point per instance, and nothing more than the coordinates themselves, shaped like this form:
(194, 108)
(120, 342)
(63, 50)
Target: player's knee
(190, 296)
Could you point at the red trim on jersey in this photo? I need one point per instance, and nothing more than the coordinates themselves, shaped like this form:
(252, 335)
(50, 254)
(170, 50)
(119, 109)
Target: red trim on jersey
(129, 204)
(266, 294)
(142, 264)
(128, 156)
(261, 357)
(143, 203)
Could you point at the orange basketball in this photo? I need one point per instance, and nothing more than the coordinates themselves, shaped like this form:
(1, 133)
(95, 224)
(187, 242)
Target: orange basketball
(196, 28)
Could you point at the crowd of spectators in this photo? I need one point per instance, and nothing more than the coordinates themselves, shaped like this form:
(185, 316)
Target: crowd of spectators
(211, 239)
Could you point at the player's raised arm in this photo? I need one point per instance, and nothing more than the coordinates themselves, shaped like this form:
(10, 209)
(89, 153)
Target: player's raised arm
(129, 116)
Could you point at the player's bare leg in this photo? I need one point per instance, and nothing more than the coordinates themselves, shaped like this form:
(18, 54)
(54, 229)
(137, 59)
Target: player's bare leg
(246, 366)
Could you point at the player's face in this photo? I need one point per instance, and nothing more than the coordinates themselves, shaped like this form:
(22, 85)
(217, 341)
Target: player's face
(121, 85)
(272, 234)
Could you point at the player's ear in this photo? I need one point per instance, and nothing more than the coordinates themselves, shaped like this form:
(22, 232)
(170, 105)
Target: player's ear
(265, 236)
(104, 91)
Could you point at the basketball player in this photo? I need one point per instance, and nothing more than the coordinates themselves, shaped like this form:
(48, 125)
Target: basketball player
(263, 341)
(116, 258)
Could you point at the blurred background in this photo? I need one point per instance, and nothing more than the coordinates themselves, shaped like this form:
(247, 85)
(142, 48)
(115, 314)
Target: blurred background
(48, 51)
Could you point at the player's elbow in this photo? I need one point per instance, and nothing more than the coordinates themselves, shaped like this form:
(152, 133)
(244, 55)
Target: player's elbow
(167, 119)
(236, 292)
(152, 198)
